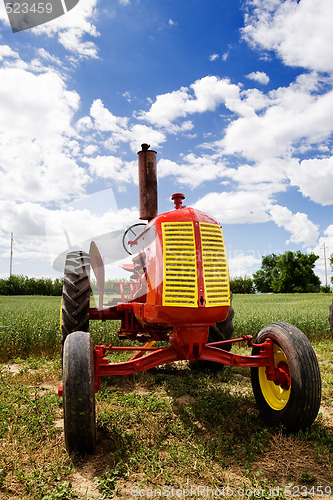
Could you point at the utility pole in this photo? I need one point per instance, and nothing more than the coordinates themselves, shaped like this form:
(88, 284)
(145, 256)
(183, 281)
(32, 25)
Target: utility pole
(11, 253)
(324, 247)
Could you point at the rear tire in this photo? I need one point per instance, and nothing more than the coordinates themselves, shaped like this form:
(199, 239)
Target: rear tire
(296, 407)
(75, 294)
(79, 393)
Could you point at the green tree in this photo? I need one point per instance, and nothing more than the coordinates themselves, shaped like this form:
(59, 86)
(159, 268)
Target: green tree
(57, 286)
(15, 285)
(287, 273)
(4, 287)
(331, 262)
(269, 272)
(241, 284)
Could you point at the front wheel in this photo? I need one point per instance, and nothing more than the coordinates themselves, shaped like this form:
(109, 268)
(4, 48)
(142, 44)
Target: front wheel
(79, 393)
(295, 407)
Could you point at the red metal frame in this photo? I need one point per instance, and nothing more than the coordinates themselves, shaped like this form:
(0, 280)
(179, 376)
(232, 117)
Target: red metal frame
(209, 352)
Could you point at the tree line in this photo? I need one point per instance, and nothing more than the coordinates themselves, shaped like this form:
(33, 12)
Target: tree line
(22, 285)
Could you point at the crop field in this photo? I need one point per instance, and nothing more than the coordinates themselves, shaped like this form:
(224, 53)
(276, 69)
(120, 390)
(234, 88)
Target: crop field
(168, 433)
(29, 325)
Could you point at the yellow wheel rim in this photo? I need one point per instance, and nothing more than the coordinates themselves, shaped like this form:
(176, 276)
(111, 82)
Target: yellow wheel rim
(275, 396)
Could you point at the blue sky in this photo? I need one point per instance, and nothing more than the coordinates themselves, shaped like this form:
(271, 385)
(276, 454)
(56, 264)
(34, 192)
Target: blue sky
(235, 96)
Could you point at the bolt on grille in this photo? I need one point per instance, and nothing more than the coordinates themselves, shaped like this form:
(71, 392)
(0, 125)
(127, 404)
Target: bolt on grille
(180, 267)
(215, 267)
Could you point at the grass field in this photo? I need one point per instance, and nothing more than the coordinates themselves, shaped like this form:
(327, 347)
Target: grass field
(170, 432)
(29, 325)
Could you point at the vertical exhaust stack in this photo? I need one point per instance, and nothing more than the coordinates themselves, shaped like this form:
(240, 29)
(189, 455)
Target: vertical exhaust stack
(147, 183)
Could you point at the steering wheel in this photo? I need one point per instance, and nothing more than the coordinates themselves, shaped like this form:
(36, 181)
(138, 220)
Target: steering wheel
(130, 234)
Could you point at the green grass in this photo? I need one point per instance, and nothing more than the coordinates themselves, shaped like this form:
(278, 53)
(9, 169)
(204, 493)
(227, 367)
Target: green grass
(29, 326)
(309, 312)
(167, 428)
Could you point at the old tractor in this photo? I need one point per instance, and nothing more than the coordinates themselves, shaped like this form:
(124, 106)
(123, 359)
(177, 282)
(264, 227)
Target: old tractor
(179, 297)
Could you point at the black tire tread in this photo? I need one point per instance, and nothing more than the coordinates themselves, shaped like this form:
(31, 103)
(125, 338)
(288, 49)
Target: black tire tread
(304, 401)
(75, 294)
(79, 393)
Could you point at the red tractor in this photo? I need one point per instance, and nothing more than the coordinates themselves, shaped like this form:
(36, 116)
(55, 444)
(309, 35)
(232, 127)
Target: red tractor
(179, 294)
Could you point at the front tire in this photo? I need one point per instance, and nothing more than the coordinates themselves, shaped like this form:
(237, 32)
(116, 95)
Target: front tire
(79, 393)
(295, 407)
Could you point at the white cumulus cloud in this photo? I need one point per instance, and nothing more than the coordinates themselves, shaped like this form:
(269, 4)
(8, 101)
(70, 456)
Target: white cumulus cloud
(203, 95)
(119, 129)
(105, 120)
(299, 32)
(242, 264)
(302, 230)
(292, 114)
(7, 52)
(259, 76)
(37, 151)
(235, 207)
(112, 167)
(71, 28)
(313, 178)
(192, 170)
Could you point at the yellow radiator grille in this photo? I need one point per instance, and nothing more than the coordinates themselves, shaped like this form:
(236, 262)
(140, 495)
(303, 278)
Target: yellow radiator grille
(180, 268)
(215, 266)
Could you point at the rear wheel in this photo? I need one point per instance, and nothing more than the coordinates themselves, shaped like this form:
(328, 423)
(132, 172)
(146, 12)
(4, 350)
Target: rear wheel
(75, 294)
(79, 393)
(293, 405)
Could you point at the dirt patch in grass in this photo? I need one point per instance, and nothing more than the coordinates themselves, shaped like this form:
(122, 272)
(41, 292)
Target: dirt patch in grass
(85, 471)
(289, 460)
(14, 368)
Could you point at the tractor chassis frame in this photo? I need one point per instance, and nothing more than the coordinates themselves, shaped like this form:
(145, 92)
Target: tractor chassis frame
(156, 356)
(148, 357)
